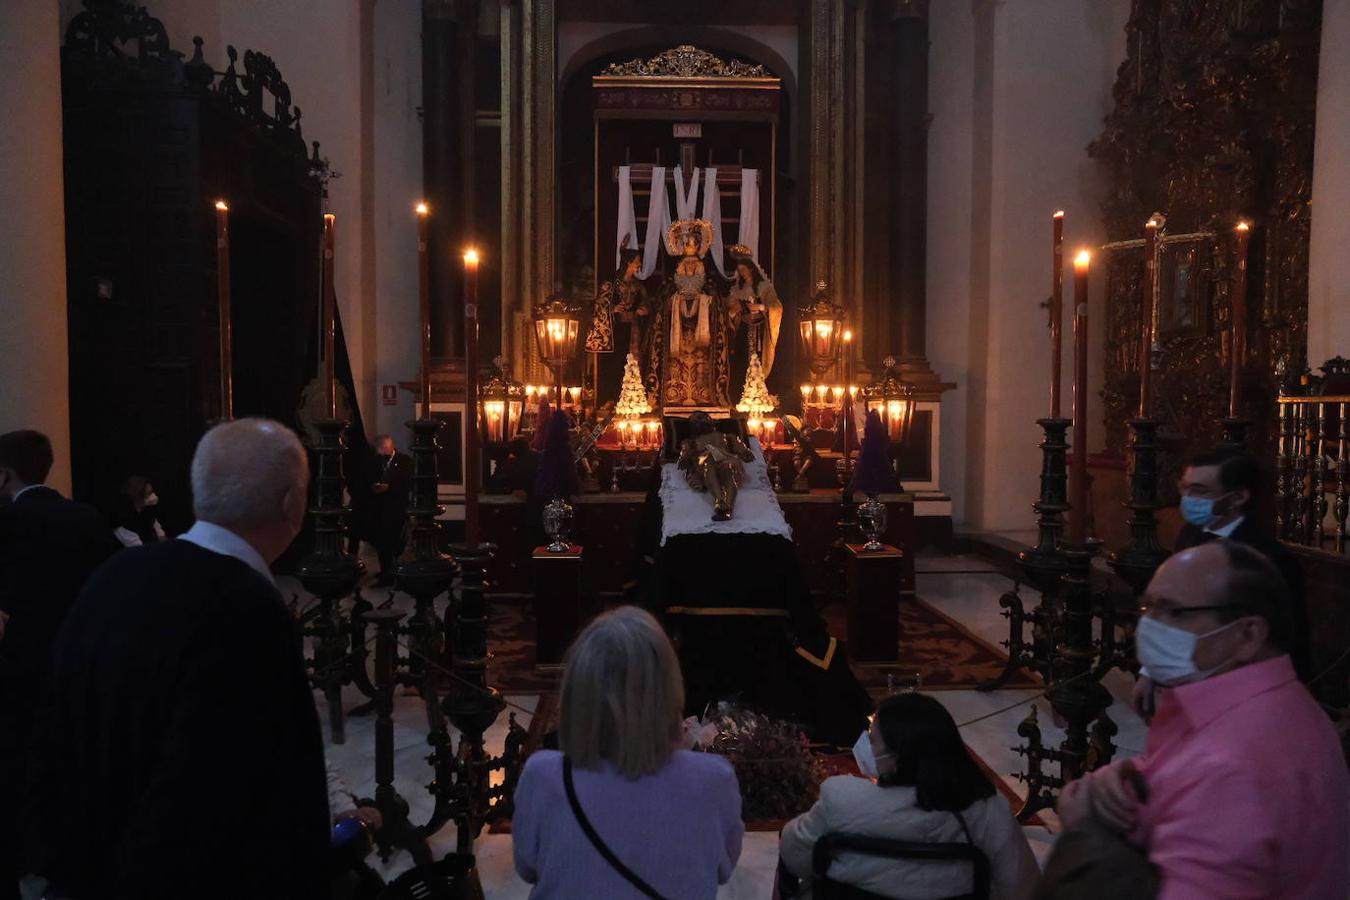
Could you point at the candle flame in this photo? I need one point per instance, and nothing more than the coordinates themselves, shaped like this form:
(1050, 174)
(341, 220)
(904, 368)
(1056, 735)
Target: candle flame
(329, 218)
(222, 206)
(422, 208)
(471, 257)
(1243, 226)
(1082, 260)
(1151, 223)
(1059, 214)
(848, 336)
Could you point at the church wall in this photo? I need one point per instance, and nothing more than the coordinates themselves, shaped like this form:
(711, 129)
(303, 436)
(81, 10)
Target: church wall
(397, 185)
(1033, 95)
(1329, 260)
(33, 350)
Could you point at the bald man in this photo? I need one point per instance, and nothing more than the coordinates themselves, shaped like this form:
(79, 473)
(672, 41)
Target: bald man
(1242, 790)
(181, 754)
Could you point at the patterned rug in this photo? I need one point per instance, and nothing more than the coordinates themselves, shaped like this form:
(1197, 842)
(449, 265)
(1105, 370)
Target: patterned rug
(936, 652)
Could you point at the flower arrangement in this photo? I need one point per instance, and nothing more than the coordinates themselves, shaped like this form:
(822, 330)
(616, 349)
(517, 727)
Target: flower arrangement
(778, 773)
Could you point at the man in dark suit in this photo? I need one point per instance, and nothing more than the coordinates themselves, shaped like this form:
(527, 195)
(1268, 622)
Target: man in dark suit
(391, 478)
(48, 547)
(1218, 491)
(180, 755)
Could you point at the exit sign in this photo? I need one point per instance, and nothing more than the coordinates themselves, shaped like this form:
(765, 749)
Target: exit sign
(689, 129)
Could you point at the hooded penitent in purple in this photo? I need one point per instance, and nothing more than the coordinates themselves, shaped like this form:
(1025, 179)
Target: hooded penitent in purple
(557, 470)
(873, 473)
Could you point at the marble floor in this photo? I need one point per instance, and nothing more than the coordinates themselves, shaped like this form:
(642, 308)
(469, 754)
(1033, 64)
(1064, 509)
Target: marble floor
(966, 588)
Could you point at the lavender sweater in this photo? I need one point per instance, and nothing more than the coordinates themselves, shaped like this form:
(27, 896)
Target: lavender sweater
(679, 829)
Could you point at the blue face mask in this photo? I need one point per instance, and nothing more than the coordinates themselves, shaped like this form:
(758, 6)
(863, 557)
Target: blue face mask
(1168, 652)
(1199, 510)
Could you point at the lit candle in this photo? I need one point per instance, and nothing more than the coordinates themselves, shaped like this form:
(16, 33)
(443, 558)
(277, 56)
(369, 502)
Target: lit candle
(424, 305)
(329, 314)
(1146, 351)
(223, 303)
(471, 463)
(574, 394)
(1078, 473)
(837, 392)
(1237, 344)
(848, 356)
(1056, 310)
(770, 432)
(806, 396)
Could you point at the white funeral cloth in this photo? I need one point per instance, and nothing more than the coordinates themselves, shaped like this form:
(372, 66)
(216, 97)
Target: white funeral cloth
(627, 215)
(749, 230)
(687, 511)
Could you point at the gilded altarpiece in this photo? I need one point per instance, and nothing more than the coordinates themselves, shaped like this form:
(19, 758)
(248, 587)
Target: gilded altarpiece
(1212, 125)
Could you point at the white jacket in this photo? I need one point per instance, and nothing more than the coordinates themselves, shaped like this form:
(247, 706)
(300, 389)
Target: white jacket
(859, 806)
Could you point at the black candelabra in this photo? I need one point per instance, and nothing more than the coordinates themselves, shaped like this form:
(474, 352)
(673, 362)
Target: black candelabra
(396, 831)
(1136, 562)
(330, 573)
(1044, 565)
(462, 786)
(1063, 649)
(427, 572)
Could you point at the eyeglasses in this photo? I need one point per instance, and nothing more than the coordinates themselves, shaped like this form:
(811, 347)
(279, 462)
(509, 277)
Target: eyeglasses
(1165, 608)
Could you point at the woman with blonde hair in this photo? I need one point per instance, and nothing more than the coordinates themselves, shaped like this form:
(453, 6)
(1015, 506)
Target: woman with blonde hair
(619, 811)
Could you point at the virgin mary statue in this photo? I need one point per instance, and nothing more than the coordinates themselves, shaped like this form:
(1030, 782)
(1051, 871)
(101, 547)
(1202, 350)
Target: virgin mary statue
(692, 336)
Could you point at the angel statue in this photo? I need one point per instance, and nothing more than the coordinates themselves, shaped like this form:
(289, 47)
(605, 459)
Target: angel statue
(713, 462)
(624, 300)
(692, 336)
(762, 311)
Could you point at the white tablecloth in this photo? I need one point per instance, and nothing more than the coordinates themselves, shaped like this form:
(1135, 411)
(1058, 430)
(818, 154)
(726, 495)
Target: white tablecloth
(687, 511)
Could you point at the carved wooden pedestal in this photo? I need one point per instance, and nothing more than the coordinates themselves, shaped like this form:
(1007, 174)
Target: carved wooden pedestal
(874, 579)
(557, 602)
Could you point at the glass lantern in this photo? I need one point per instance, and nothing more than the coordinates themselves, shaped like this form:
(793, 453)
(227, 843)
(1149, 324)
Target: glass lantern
(501, 408)
(556, 325)
(894, 401)
(822, 330)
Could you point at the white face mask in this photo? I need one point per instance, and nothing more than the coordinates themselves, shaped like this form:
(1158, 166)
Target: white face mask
(1168, 652)
(863, 755)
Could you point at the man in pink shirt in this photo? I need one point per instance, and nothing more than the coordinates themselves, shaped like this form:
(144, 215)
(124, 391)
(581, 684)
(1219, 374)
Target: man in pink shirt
(1242, 792)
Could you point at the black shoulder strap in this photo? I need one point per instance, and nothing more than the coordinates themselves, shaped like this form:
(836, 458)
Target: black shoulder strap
(629, 875)
(962, 819)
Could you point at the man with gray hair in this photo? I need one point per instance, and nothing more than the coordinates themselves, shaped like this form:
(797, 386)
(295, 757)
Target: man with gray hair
(180, 755)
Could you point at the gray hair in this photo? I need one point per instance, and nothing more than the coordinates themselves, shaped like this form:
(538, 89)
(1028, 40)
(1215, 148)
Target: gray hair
(242, 471)
(622, 695)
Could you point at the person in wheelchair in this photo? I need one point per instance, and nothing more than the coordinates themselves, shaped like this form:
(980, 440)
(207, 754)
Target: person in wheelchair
(925, 822)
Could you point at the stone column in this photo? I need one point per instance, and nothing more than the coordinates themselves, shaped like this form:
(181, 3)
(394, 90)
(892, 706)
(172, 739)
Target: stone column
(1329, 263)
(909, 229)
(444, 165)
(34, 354)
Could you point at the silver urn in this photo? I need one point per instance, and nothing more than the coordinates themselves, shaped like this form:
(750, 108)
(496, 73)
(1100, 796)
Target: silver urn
(558, 524)
(872, 520)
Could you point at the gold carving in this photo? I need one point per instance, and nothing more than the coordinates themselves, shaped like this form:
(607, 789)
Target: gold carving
(687, 61)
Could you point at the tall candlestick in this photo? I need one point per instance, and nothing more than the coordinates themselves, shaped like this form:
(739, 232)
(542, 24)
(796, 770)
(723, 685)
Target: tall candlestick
(223, 302)
(1056, 310)
(471, 474)
(329, 316)
(1237, 345)
(1078, 487)
(1146, 338)
(424, 306)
